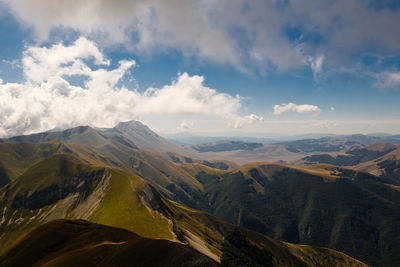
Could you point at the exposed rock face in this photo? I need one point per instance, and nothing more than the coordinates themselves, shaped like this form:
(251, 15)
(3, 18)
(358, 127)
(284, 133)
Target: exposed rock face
(151, 198)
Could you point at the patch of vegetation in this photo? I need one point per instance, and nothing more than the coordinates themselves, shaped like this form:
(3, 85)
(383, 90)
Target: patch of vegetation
(174, 158)
(216, 164)
(188, 160)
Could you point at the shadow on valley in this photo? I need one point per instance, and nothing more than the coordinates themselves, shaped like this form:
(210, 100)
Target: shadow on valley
(237, 251)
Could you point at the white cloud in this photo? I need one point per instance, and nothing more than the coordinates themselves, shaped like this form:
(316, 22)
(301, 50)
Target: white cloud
(307, 109)
(242, 34)
(41, 63)
(186, 125)
(143, 25)
(230, 32)
(240, 121)
(387, 80)
(316, 64)
(332, 108)
(47, 99)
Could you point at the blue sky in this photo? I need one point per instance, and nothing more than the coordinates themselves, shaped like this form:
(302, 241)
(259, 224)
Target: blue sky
(213, 67)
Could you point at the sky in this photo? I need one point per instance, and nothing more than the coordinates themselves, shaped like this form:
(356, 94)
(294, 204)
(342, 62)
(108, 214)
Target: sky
(209, 67)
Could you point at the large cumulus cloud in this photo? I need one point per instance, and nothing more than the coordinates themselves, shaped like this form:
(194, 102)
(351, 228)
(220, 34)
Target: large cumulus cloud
(47, 99)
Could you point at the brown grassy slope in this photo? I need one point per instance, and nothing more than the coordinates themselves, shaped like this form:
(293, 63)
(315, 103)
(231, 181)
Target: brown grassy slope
(382, 146)
(81, 243)
(373, 167)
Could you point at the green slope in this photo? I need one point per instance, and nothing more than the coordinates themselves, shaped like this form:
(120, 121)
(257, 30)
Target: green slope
(63, 186)
(349, 211)
(17, 157)
(122, 207)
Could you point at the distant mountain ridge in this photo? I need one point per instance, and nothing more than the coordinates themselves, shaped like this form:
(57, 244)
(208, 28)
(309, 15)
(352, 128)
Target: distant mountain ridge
(134, 132)
(337, 143)
(191, 139)
(225, 145)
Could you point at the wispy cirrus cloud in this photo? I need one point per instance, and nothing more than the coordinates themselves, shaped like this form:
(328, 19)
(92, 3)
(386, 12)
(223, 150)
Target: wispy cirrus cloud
(387, 80)
(316, 64)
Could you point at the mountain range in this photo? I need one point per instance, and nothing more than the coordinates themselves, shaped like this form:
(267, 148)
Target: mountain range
(130, 178)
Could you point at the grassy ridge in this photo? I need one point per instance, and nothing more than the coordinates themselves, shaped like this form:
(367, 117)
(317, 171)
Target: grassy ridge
(122, 208)
(15, 158)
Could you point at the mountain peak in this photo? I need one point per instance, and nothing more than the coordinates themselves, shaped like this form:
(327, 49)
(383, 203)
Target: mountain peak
(136, 126)
(145, 138)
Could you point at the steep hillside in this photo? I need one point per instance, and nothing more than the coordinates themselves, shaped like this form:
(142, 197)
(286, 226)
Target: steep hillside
(64, 186)
(332, 207)
(81, 243)
(386, 166)
(113, 150)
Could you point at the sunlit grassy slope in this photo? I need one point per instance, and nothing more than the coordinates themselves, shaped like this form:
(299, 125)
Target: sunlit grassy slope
(121, 207)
